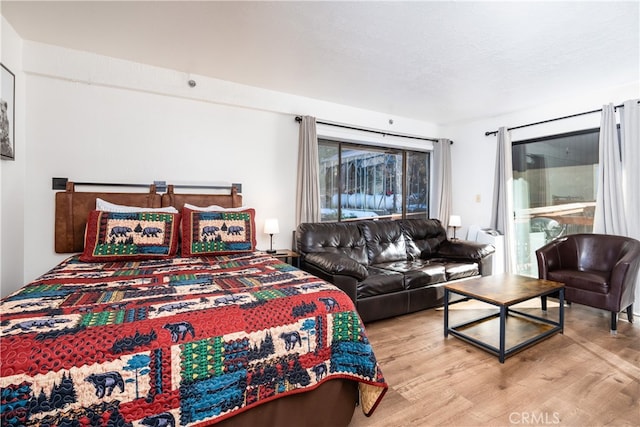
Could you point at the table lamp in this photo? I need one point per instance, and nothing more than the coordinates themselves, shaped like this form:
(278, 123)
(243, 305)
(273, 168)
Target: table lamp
(455, 221)
(271, 228)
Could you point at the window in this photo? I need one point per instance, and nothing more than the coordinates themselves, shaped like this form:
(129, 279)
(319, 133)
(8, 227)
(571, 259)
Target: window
(554, 191)
(358, 181)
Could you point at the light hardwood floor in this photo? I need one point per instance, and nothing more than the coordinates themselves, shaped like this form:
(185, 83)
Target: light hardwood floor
(584, 377)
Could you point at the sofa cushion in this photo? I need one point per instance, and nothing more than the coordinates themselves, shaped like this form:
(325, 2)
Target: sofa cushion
(340, 238)
(380, 281)
(418, 273)
(460, 270)
(423, 236)
(385, 241)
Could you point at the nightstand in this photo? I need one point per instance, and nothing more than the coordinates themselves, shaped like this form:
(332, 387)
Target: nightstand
(289, 256)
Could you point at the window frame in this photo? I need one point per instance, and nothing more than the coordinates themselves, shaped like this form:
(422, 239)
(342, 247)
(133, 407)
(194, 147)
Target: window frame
(386, 149)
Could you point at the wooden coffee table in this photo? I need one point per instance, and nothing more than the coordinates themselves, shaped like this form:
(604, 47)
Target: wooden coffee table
(509, 330)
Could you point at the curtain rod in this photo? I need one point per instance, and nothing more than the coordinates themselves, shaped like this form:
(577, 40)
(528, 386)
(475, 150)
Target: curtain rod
(495, 132)
(338, 125)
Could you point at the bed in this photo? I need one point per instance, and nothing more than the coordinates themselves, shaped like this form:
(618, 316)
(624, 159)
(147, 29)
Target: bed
(162, 318)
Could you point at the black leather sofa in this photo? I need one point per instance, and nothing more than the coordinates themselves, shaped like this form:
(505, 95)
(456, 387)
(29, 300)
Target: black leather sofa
(390, 267)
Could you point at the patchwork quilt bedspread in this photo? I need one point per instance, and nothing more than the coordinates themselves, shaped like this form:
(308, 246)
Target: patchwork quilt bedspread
(182, 341)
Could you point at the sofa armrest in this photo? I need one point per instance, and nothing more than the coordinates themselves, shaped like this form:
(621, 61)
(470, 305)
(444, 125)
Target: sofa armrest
(625, 273)
(464, 250)
(347, 284)
(333, 264)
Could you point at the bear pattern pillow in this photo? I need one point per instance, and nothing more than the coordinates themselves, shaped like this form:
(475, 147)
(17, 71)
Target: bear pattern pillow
(130, 236)
(217, 232)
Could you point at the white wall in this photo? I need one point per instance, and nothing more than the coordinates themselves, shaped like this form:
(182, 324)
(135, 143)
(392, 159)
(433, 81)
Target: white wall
(473, 153)
(12, 173)
(97, 119)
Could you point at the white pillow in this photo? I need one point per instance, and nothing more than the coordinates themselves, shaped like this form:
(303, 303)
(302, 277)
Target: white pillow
(214, 208)
(103, 205)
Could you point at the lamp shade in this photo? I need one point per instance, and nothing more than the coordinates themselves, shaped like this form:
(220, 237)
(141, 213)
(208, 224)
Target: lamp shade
(271, 226)
(455, 221)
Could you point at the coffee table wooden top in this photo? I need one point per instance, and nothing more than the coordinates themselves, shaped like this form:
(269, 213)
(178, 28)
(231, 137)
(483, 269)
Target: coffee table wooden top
(505, 289)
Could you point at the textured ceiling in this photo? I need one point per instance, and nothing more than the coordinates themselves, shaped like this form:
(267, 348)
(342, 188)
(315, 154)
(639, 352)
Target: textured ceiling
(443, 62)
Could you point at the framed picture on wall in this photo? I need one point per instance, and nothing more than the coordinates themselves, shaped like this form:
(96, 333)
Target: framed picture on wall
(8, 113)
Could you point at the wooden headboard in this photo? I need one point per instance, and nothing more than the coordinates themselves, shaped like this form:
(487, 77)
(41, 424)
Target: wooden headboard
(73, 207)
(232, 200)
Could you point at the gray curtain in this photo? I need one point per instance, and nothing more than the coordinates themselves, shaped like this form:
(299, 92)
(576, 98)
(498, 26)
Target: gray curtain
(609, 217)
(630, 134)
(308, 188)
(502, 213)
(440, 205)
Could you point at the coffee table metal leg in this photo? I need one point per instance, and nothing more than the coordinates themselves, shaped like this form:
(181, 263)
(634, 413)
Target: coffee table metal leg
(503, 327)
(446, 312)
(561, 311)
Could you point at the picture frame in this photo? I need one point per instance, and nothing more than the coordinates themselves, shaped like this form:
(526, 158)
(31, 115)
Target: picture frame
(7, 113)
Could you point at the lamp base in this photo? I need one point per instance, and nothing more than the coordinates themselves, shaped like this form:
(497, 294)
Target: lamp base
(271, 250)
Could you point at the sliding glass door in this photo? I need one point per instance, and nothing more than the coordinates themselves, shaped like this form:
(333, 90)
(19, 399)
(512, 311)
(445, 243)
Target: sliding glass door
(554, 191)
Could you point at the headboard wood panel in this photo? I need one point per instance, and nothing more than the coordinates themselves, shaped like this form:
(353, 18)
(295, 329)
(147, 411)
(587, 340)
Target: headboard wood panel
(73, 207)
(170, 198)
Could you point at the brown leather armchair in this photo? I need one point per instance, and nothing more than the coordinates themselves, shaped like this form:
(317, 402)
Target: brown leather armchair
(598, 270)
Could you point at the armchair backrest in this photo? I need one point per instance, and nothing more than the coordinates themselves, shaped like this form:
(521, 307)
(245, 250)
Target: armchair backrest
(596, 252)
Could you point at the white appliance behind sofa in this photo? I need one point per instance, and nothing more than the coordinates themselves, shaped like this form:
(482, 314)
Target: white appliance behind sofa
(493, 237)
